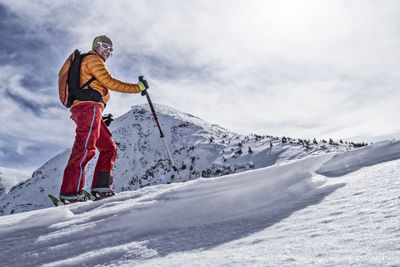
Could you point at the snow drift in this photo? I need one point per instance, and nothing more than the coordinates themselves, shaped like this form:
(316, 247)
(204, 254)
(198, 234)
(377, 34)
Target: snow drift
(351, 161)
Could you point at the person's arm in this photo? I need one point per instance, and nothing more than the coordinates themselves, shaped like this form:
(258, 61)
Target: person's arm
(99, 71)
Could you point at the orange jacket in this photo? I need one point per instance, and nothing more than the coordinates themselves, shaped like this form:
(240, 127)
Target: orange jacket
(93, 65)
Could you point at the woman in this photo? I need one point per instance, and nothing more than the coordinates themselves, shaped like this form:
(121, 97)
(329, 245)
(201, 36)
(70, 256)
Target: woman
(91, 131)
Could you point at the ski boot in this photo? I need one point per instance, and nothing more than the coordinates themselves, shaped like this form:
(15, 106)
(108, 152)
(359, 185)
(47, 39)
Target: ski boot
(102, 192)
(72, 198)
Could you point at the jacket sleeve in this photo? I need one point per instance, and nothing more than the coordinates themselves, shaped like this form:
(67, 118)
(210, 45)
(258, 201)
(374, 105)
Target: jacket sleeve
(98, 69)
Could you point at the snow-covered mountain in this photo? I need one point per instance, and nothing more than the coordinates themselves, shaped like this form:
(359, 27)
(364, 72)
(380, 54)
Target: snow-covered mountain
(9, 178)
(337, 209)
(199, 149)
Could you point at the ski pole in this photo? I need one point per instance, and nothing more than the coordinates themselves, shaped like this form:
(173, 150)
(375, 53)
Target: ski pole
(145, 93)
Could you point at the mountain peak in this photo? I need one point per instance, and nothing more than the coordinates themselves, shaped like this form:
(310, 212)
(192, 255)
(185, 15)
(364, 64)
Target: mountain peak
(164, 113)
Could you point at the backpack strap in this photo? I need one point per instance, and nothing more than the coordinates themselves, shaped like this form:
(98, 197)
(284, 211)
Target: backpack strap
(91, 79)
(89, 94)
(88, 82)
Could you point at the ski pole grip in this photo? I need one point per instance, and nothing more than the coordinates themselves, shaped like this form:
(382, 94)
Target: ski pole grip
(146, 85)
(144, 82)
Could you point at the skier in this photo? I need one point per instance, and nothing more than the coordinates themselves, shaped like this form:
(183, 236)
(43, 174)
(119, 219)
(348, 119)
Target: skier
(91, 130)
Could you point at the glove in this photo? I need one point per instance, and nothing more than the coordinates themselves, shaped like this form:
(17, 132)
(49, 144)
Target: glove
(142, 86)
(108, 119)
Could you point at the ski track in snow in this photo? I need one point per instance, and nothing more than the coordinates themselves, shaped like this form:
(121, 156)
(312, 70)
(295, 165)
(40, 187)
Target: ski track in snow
(284, 215)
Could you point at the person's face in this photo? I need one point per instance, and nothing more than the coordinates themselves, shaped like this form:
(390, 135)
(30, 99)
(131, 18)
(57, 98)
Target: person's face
(104, 52)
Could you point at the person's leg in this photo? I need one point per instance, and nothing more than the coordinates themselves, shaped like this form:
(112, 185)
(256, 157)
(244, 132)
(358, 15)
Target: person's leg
(87, 117)
(103, 177)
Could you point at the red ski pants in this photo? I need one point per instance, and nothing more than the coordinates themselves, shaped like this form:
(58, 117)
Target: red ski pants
(91, 133)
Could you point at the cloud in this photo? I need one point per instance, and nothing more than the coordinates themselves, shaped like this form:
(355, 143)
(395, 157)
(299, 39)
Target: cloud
(31, 125)
(23, 153)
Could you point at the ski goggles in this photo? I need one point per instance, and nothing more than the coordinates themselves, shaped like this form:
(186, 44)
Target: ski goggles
(106, 46)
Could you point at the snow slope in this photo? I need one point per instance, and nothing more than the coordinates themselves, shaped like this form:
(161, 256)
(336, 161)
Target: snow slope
(200, 149)
(288, 214)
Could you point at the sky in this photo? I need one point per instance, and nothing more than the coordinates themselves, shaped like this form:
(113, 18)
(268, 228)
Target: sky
(300, 68)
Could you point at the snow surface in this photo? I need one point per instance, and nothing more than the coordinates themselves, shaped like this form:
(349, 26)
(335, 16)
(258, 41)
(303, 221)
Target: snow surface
(288, 214)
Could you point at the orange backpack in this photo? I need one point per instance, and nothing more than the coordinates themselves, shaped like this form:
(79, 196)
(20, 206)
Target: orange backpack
(69, 88)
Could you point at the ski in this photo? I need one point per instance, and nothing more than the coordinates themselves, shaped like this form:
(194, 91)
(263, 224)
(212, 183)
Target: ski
(57, 202)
